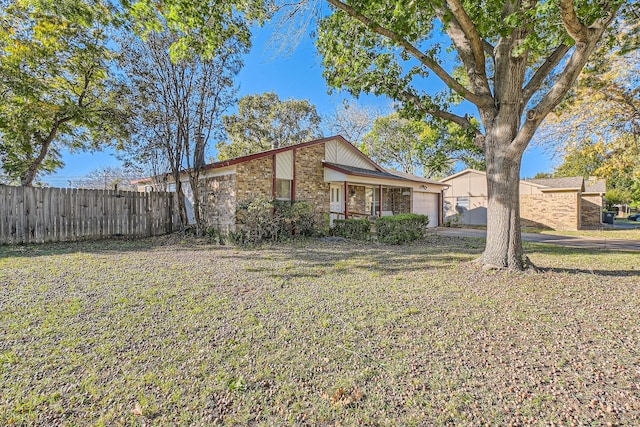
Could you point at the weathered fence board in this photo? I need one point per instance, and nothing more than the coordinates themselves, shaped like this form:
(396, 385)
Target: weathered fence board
(37, 215)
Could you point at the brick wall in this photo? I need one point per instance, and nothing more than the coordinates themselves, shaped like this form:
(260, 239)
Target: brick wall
(591, 211)
(310, 185)
(254, 178)
(393, 200)
(357, 204)
(219, 201)
(558, 211)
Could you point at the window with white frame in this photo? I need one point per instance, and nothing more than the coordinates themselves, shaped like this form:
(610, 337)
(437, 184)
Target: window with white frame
(462, 204)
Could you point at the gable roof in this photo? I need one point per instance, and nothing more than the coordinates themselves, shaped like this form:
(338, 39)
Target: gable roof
(568, 183)
(235, 161)
(466, 171)
(249, 157)
(377, 172)
(574, 183)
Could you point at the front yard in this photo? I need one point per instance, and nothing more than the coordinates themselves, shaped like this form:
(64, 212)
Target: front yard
(163, 332)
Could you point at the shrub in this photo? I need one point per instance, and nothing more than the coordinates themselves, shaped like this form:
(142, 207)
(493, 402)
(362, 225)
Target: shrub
(402, 228)
(359, 229)
(299, 218)
(215, 236)
(264, 219)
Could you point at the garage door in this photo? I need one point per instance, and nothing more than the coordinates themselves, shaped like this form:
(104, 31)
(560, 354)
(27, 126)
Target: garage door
(426, 204)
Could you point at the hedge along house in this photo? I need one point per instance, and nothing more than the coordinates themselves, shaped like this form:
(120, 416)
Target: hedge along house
(330, 173)
(555, 203)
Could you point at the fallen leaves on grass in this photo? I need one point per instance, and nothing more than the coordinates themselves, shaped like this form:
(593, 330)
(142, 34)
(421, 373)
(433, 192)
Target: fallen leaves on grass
(313, 333)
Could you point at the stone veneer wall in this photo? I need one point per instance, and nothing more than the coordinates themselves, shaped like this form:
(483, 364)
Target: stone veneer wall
(558, 211)
(591, 211)
(219, 201)
(310, 185)
(358, 203)
(254, 178)
(393, 200)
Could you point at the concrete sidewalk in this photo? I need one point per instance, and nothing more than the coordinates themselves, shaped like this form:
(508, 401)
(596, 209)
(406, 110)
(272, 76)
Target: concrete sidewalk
(573, 241)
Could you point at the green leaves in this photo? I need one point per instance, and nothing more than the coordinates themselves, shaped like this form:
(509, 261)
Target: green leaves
(56, 84)
(204, 27)
(264, 122)
(418, 147)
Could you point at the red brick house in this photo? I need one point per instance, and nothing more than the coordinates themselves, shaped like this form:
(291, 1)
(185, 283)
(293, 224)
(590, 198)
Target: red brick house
(331, 173)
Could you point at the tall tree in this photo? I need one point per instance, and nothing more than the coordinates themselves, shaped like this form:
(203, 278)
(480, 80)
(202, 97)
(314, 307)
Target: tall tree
(514, 61)
(353, 121)
(56, 87)
(203, 27)
(598, 126)
(264, 122)
(415, 146)
(604, 105)
(179, 109)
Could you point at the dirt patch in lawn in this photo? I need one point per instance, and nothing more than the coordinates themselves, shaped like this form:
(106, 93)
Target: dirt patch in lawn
(167, 332)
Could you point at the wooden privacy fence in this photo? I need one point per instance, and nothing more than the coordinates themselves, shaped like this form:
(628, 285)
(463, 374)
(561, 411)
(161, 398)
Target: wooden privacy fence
(37, 215)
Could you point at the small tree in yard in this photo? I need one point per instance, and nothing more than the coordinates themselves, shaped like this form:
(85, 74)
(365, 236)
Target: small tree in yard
(514, 61)
(179, 109)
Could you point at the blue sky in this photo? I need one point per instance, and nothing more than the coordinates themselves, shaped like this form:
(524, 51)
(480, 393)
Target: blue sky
(297, 75)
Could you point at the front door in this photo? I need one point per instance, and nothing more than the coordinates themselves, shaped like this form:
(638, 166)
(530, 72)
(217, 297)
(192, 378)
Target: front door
(337, 202)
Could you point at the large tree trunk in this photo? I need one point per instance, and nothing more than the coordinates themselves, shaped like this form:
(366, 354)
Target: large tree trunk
(504, 241)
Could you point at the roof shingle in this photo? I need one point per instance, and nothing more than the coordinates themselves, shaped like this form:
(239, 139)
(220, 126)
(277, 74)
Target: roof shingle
(573, 182)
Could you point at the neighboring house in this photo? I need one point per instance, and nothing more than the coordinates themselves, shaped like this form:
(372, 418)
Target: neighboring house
(555, 203)
(332, 174)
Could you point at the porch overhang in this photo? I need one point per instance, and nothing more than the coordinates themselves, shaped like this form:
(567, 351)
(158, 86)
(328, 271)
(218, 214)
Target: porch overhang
(358, 176)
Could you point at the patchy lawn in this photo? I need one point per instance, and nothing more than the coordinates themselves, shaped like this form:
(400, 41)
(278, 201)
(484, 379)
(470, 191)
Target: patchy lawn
(157, 332)
(606, 233)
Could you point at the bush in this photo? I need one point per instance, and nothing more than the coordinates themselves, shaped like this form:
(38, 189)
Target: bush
(299, 218)
(264, 219)
(402, 228)
(358, 229)
(215, 236)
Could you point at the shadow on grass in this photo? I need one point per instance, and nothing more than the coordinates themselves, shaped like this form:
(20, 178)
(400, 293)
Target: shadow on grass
(557, 250)
(435, 252)
(432, 253)
(603, 273)
(111, 245)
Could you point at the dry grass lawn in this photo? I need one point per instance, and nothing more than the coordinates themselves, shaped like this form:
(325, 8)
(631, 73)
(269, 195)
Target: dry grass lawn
(162, 332)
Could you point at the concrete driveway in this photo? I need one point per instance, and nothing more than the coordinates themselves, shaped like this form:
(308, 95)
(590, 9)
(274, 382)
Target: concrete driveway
(581, 242)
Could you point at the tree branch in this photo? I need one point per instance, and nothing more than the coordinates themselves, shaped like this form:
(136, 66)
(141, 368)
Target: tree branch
(479, 100)
(575, 28)
(543, 72)
(584, 47)
(461, 121)
(476, 43)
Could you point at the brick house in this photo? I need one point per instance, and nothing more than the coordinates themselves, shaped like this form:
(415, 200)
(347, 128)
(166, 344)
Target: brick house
(555, 203)
(330, 173)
